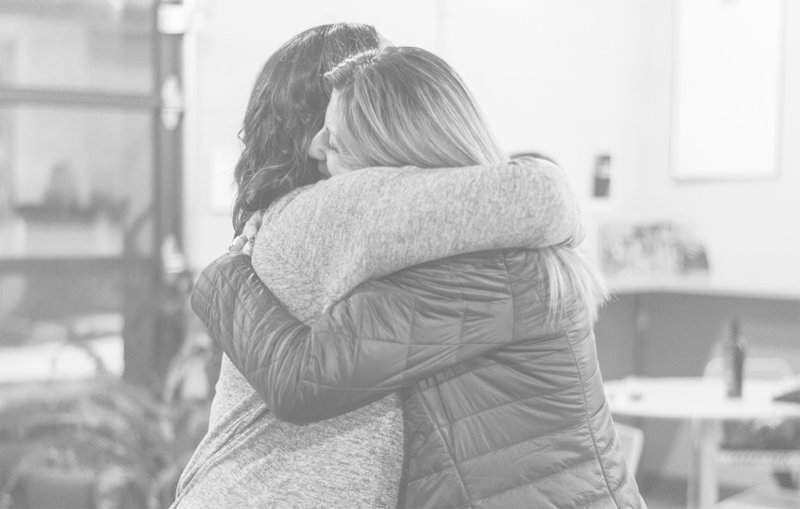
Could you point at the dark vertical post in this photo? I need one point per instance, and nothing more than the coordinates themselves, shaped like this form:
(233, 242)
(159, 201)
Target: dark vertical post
(150, 339)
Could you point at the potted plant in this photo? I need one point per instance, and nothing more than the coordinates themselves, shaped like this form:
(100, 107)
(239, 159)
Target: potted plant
(104, 443)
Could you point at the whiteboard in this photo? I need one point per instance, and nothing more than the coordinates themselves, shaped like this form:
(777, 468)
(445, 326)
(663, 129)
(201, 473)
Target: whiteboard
(727, 88)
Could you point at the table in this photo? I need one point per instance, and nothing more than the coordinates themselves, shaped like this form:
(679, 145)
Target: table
(59, 361)
(702, 402)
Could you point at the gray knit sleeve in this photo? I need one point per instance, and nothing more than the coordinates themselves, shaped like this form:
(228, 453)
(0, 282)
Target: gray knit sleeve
(375, 221)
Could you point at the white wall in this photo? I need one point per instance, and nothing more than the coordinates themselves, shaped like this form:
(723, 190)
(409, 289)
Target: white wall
(750, 228)
(569, 78)
(563, 77)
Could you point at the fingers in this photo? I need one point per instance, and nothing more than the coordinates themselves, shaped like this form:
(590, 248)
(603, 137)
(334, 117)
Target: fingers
(250, 229)
(242, 244)
(253, 224)
(248, 247)
(237, 246)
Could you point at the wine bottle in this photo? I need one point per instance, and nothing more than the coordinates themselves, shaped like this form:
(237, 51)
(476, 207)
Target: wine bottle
(735, 353)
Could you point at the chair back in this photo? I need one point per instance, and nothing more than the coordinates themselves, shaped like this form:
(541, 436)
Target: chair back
(632, 441)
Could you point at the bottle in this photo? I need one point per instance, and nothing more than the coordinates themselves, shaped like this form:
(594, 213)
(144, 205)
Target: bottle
(735, 352)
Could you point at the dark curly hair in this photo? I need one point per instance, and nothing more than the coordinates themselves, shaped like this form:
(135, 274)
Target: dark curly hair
(285, 111)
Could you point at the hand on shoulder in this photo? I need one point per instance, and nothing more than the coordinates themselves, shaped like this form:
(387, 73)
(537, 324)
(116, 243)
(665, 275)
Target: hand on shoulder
(244, 243)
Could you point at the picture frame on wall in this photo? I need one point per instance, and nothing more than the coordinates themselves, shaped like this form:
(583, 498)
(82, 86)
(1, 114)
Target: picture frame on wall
(727, 89)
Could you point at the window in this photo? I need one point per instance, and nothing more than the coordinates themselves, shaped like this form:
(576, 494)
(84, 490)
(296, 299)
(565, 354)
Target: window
(89, 176)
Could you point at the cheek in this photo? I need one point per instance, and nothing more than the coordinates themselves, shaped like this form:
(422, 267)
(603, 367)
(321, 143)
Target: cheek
(335, 166)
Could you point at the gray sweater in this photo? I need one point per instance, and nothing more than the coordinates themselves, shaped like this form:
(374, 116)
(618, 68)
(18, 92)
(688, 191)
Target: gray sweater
(314, 246)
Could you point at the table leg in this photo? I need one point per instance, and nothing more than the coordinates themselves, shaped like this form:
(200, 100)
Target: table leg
(641, 323)
(701, 482)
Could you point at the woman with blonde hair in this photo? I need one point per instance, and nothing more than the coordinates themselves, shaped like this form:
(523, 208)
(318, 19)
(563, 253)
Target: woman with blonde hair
(311, 253)
(490, 343)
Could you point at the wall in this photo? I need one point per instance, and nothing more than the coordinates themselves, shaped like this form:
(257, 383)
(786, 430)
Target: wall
(750, 228)
(569, 78)
(562, 77)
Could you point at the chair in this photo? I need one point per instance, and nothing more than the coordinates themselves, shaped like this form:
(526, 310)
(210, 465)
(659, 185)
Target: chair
(762, 497)
(632, 441)
(777, 460)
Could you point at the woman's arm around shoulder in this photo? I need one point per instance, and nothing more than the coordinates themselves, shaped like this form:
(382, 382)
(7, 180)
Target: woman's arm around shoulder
(383, 337)
(376, 221)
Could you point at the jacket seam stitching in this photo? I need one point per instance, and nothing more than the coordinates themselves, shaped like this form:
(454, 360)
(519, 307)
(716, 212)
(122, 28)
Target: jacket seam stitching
(428, 410)
(224, 279)
(494, 451)
(528, 484)
(451, 458)
(522, 486)
(520, 400)
(511, 294)
(410, 338)
(491, 364)
(463, 312)
(589, 423)
(438, 429)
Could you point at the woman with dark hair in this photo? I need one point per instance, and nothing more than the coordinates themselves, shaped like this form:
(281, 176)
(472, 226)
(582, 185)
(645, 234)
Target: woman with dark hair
(492, 348)
(285, 111)
(247, 458)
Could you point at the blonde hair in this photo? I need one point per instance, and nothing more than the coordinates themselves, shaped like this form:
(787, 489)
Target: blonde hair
(405, 106)
(571, 281)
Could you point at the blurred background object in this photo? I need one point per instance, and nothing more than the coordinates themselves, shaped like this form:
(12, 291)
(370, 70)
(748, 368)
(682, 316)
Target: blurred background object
(647, 250)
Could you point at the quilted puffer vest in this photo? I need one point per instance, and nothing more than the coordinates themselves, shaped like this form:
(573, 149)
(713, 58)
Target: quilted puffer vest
(501, 409)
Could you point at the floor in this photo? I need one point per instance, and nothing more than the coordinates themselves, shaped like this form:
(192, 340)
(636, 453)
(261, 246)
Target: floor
(670, 493)
(663, 493)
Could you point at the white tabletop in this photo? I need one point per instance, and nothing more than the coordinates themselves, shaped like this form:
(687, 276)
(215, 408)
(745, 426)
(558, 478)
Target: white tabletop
(698, 398)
